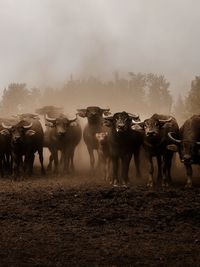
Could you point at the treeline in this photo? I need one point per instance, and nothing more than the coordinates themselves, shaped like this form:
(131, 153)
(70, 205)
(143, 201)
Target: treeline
(137, 93)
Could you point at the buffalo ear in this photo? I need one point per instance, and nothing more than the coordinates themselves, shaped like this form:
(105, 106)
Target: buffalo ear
(30, 132)
(106, 112)
(136, 124)
(82, 112)
(4, 132)
(108, 121)
(50, 124)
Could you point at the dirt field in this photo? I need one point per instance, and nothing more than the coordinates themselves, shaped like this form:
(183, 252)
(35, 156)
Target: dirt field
(81, 221)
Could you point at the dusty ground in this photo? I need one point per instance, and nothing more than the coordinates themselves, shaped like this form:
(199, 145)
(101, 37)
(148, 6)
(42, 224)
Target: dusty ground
(82, 221)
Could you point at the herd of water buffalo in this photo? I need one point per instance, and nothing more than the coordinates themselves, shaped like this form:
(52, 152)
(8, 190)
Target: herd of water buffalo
(116, 138)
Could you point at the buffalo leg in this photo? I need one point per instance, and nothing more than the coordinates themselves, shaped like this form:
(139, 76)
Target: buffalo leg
(17, 161)
(137, 163)
(49, 167)
(91, 153)
(2, 165)
(167, 163)
(151, 171)
(72, 161)
(115, 167)
(125, 168)
(31, 158)
(189, 175)
(40, 152)
(159, 164)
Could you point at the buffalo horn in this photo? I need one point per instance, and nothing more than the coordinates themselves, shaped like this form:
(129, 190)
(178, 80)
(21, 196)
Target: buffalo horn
(73, 120)
(28, 126)
(134, 116)
(173, 139)
(6, 126)
(198, 143)
(137, 122)
(167, 120)
(49, 119)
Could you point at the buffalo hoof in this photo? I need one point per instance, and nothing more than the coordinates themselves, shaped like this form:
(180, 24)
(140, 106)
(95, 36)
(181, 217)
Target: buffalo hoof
(165, 184)
(115, 183)
(150, 184)
(188, 185)
(124, 185)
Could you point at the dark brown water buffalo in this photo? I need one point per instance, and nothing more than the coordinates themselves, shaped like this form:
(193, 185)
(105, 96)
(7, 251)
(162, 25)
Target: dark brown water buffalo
(156, 144)
(5, 149)
(123, 142)
(27, 137)
(62, 135)
(188, 144)
(94, 116)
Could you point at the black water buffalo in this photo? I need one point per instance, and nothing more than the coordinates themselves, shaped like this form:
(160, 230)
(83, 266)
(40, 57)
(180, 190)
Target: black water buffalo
(62, 135)
(157, 144)
(5, 149)
(94, 116)
(123, 142)
(27, 137)
(188, 144)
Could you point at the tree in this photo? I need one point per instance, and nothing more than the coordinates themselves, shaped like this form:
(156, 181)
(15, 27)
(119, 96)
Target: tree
(15, 98)
(179, 109)
(192, 103)
(137, 85)
(159, 97)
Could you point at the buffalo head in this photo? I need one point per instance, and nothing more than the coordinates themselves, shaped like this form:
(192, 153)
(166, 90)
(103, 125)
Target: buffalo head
(152, 125)
(93, 113)
(187, 149)
(60, 123)
(121, 121)
(19, 130)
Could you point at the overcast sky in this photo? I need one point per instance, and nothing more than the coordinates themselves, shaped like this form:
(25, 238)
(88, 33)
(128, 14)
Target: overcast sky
(43, 41)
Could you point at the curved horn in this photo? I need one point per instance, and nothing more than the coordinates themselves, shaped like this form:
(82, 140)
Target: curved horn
(137, 122)
(73, 119)
(167, 120)
(6, 126)
(28, 126)
(107, 117)
(173, 139)
(134, 116)
(49, 119)
(198, 143)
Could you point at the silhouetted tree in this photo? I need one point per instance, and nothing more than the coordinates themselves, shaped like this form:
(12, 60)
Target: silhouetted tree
(159, 97)
(179, 110)
(192, 103)
(15, 99)
(137, 95)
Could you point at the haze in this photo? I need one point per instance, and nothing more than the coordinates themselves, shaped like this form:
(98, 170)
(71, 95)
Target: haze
(43, 42)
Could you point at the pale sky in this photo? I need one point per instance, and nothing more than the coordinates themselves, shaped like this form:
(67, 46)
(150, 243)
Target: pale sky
(43, 41)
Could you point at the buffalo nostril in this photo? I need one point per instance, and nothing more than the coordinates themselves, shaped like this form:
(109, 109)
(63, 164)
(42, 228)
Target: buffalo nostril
(152, 133)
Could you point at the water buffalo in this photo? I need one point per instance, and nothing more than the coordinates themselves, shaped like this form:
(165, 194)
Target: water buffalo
(123, 142)
(188, 144)
(5, 149)
(64, 135)
(94, 116)
(156, 144)
(27, 137)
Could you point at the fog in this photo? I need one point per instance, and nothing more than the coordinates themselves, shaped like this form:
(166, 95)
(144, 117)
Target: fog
(43, 42)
